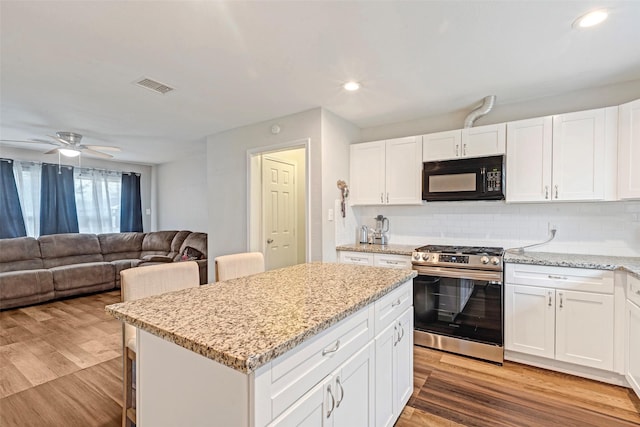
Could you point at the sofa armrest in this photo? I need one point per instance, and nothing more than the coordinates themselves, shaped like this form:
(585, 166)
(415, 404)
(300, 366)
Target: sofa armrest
(157, 258)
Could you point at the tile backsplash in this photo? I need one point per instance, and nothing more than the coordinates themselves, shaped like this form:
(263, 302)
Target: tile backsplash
(601, 228)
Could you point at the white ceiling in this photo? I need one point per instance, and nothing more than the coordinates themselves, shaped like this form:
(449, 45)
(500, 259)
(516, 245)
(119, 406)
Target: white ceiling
(70, 65)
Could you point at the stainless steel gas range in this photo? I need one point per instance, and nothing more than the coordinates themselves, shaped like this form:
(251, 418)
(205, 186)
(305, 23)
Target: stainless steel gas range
(458, 300)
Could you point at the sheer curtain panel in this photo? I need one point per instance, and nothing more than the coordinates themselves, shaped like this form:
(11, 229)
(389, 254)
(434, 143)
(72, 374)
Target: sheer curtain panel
(58, 212)
(98, 200)
(28, 181)
(12, 223)
(131, 205)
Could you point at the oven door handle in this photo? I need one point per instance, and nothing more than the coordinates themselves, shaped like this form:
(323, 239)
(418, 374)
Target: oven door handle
(460, 273)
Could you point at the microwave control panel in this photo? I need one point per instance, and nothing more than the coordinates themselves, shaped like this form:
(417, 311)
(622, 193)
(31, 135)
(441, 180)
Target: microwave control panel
(494, 180)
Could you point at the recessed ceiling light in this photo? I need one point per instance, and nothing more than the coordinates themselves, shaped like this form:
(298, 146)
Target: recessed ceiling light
(351, 86)
(590, 19)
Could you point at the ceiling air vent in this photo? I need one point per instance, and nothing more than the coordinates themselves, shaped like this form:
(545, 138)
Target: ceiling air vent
(154, 85)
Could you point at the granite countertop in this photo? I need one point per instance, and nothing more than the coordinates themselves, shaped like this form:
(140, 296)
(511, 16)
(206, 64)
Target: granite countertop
(599, 262)
(246, 322)
(378, 249)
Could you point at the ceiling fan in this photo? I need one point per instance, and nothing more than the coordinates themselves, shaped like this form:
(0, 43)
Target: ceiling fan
(68, 144)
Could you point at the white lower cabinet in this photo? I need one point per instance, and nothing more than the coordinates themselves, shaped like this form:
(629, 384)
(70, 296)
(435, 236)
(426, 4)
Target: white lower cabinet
(394, 369)
(566, 314)
(344, 398)
(632, 334)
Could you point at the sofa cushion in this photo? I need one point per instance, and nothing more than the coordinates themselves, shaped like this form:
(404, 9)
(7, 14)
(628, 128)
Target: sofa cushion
(197, 241)
(123, 264)
(72, 248)
(19, 284)
(20, 253)
(67, 277)
(116, 246)
(157, 243)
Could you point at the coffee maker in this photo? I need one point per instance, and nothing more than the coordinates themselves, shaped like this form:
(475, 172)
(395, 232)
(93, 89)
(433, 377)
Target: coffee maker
(381, 232)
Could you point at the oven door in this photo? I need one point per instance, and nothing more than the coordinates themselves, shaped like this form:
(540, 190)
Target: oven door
(464, 179)
(459, 303)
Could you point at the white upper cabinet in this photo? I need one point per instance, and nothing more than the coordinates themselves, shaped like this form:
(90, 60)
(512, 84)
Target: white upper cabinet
(529, 160)
(471, 142)
(441, 145)
(567, 157)
(387, 172)
(629, 150)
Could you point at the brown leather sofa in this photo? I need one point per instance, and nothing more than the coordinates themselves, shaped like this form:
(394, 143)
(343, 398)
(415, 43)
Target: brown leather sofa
(61, 265)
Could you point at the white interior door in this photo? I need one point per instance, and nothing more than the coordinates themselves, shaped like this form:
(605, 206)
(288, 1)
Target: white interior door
(279, 213)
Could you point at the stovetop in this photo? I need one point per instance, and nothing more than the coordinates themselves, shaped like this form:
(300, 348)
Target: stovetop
(471, 257)
(464, 250)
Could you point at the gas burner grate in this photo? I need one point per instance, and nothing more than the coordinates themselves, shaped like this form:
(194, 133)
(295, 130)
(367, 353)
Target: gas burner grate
(465, 250)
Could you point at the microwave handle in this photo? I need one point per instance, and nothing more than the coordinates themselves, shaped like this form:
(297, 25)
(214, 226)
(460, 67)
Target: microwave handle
(483, 172)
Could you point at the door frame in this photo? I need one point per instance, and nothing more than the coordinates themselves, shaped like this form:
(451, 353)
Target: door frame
(253, 245)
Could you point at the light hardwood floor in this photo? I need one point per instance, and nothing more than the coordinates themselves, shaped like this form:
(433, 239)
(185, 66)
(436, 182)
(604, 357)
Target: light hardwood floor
(60, 365)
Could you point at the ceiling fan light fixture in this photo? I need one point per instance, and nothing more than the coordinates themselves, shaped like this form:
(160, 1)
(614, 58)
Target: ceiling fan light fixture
(68, 152)
(351, 86)
(591, 19)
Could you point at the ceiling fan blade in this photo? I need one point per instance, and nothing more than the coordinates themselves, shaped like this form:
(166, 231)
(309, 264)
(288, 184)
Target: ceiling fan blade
(104, 147)
(59, 139)
(96, 153)
(30, 141)
(52, 151)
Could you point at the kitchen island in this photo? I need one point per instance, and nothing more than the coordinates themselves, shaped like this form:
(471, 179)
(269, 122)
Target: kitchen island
(325, 343)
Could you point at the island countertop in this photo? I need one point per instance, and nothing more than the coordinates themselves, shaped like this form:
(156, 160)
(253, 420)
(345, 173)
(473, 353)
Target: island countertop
(244, 323)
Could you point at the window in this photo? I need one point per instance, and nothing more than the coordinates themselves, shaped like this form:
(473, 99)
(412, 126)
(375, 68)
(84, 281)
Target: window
(98, 200)
(27, 176)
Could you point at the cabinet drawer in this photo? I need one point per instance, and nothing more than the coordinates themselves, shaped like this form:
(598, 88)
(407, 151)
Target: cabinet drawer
(389, 307)
(292, 375)
(360, 258)
(633, 289)
(392, 261)
(576, 279)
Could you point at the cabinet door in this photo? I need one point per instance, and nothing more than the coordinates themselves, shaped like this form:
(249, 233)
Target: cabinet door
(584, 329)
(530, 320)
(367, 164)
(629, 151)
(384, 394)
(529, 160)
(578, 155)
(404, 171)
(484, 140)
(441, 145)
(632, 348)
(308, 411)
(403, 363)
(354, 390)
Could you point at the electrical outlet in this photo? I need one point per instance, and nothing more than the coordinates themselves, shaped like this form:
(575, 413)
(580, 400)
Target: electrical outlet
(552, 226)
(330, 215)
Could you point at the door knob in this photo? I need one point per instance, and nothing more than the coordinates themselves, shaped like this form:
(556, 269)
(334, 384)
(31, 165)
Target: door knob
(269, 241)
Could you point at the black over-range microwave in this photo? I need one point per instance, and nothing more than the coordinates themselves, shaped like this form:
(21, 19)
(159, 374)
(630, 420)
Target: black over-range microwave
(480, 178)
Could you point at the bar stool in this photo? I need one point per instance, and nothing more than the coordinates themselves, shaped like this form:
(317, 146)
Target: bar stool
(238, 265)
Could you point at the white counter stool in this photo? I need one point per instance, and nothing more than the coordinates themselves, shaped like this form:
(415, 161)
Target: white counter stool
(141, 282)
(238, 265)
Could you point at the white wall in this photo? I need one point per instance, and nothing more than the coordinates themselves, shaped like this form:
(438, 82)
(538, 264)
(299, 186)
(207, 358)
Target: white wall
(145, 172)
(602, 228)
(182, 193)
(227, 179)
(337, 135)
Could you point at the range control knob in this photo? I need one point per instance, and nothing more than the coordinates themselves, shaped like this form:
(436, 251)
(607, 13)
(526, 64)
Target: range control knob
(484, 260)
(416, 256)
(425, 257)
(495, 261)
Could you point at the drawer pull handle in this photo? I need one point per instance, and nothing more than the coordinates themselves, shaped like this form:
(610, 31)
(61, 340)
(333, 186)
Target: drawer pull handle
(341, 392)
(401, 332)
(333, 350)
(396, 303)
(395, 334)
(333, 401)
(557, 277)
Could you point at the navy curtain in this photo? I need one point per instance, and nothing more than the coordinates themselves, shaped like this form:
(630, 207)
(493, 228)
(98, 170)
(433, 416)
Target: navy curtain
(130, 203)
(12, 222)
(58, 212)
